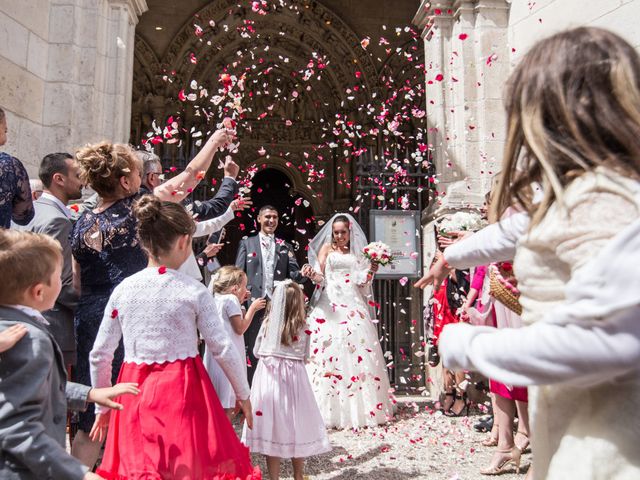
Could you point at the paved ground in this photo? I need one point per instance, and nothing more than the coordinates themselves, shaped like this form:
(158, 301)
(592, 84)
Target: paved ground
(419, 444)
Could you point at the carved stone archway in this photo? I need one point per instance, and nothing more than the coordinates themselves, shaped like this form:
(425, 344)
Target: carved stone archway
(285, 43)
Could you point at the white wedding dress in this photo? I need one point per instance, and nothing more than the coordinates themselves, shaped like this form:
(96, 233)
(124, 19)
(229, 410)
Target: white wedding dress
(347, 369)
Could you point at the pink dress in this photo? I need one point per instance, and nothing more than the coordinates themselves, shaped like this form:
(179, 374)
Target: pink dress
(286, 419)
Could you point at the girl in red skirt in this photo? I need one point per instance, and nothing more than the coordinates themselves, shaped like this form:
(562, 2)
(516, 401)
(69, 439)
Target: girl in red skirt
(176, 428)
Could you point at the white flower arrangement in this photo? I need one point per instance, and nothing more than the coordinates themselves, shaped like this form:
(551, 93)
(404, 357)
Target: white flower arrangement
(461, 222)
(379, 253)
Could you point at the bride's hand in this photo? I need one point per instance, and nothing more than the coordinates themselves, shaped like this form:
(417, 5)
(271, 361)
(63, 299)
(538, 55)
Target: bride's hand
(307, 270)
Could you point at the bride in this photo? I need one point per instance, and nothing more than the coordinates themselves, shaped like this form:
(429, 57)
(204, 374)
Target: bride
(347, 369)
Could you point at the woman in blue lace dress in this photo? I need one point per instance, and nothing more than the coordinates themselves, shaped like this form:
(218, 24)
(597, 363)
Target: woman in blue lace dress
(15, 193)
(106, 248)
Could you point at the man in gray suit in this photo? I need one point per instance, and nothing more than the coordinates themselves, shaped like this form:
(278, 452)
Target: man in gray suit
(265, 259)
(60, 177)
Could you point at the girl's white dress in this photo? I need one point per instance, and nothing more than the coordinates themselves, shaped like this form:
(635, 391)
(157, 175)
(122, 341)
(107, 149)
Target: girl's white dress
(286, 419)
(347, 370)
(227, 306)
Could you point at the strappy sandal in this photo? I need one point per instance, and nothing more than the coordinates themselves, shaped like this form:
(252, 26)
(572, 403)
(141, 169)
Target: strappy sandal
(446, 408)
(464, 411)
(524, 448)
(492, 441)
(509, 457)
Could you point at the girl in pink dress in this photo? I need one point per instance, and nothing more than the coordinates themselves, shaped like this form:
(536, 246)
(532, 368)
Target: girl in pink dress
(176, 427)
(288, 423)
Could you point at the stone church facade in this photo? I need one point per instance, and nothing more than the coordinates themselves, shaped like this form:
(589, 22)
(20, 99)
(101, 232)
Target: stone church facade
(77, 71)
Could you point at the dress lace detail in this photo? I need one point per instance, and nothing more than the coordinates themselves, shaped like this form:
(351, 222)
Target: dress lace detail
(15, 193)
(347, 370)
(106, 246)
(158, 317)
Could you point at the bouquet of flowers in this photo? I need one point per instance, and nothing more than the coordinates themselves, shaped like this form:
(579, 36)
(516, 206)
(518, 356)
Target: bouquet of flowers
(378, 252)
(459, 222)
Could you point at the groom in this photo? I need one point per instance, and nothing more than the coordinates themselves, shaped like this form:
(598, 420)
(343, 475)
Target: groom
(265, 259)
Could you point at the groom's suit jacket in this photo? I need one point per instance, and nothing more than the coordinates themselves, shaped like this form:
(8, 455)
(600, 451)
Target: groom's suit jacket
(249, 258)
(52, 220)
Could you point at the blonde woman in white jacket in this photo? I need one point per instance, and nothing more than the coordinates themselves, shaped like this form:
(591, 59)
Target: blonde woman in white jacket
(573, 128)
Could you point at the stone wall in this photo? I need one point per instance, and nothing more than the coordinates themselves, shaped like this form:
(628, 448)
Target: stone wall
(66, 73)
(546, 17)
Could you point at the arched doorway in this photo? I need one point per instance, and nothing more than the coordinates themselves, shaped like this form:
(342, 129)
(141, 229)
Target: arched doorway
(297, 224)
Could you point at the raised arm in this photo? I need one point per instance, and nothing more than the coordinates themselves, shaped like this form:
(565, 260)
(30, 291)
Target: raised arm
(223, 198)
(241, 322)
(178, 187)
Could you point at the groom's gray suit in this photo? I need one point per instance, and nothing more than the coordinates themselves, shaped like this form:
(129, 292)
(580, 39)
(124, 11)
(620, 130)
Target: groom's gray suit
(249, 258)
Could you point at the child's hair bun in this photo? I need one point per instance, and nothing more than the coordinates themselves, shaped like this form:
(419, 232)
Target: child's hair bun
(147, 209)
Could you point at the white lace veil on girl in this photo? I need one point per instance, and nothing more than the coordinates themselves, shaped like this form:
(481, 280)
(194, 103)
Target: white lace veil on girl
(357, 242)
(270, 344)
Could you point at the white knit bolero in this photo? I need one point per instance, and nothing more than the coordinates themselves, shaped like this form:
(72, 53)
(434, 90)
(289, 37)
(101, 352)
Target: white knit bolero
(158, 315)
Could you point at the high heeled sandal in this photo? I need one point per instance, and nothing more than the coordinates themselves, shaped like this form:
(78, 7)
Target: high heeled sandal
(524, 448)
(504, 463)
(464, 411)
(442, 405)
(492, 441)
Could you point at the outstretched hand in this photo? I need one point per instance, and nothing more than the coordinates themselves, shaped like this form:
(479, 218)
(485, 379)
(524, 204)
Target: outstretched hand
(436, 274)
(104, 396)
(231, 168)
(212, 249)
(451, 238)
(241, 203)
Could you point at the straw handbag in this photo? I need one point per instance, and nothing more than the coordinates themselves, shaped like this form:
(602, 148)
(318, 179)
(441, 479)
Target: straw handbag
(503, 291)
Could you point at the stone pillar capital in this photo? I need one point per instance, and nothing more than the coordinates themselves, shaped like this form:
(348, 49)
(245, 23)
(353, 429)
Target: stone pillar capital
(432, 14)
(135, 8)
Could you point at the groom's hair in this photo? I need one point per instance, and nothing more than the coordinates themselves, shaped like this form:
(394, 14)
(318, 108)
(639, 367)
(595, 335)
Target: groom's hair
(267, 207)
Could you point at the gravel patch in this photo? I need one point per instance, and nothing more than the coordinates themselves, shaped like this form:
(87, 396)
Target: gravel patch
(419, 444)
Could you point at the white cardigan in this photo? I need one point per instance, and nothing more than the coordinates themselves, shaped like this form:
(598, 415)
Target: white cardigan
(587, 346)
(158, 316)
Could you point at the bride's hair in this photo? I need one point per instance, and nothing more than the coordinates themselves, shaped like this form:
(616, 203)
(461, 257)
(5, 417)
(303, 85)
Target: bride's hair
(294, 313)
(341, 219)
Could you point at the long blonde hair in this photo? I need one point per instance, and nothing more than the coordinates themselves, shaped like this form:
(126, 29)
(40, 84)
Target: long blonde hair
(573, 104)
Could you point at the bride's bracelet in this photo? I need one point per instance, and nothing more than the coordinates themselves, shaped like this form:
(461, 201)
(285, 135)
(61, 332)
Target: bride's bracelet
(318, 278)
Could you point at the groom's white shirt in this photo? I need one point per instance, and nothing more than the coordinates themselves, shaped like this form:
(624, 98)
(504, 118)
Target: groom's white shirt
(268, 250)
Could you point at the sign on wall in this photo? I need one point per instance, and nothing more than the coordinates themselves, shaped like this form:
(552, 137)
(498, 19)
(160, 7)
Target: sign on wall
(400, 229)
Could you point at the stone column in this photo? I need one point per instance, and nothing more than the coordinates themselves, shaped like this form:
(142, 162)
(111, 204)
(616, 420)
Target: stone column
(466, 64)
(67, 73)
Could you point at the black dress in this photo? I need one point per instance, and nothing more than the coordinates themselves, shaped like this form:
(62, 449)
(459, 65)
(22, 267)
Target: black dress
(107, 248)
(15, 193)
